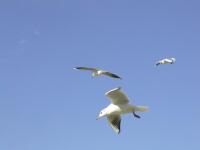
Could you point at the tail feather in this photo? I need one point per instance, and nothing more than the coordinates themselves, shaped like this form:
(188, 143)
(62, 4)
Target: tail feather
(141, 108)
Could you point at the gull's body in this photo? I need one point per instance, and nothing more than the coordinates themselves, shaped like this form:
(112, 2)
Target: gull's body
(98, 72)
(166, 61)
(119, 105)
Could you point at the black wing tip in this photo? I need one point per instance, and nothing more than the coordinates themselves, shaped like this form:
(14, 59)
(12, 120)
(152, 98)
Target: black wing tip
(116, 76)
(157, 64)
(119, 78)
(119, 127)
(77, 68)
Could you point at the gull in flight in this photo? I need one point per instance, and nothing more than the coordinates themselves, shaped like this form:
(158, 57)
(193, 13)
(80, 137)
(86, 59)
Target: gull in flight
(166, 61)
(119, 105)
(97, 72)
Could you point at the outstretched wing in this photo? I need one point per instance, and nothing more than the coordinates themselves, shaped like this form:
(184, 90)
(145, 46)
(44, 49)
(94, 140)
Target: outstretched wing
(115, 121)
(111, 75)
(163, 61)
(117, 96)
(86, 68)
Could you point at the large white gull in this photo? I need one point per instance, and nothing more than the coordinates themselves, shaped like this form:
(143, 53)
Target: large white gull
(166, 61)
(97, 72)
(119, 105)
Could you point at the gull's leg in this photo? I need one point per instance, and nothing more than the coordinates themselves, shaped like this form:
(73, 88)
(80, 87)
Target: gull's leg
(135, 115)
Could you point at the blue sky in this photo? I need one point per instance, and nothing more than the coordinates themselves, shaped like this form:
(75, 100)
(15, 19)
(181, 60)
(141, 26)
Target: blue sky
(45, 104)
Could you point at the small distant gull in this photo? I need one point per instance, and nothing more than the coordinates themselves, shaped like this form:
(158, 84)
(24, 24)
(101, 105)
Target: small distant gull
(97, 72)
(166, 61)
(119, 105)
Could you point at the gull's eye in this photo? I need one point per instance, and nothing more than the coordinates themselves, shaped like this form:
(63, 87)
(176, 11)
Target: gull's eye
(100, 112)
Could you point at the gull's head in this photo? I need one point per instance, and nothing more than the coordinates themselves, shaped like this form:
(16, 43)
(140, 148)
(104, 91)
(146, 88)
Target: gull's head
(102, 113)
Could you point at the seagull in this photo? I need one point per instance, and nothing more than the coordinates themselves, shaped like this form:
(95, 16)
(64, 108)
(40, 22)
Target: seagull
(97, 72)
(119, 105)
(166, 61)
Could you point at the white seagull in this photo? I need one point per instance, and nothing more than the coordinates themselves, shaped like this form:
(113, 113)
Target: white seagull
(166, 61)
(119, 105)
(97, 72)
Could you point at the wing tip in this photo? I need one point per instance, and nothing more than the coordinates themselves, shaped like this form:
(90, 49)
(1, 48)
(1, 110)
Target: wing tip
(112, 90)
(116, 76)
(157, 64)
(118, 132)
(76, 68)
(120, 78)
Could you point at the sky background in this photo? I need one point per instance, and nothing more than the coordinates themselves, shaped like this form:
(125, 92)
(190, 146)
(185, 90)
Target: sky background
(46, 105)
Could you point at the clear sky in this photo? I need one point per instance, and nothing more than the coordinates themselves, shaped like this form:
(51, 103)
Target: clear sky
(46, 105)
